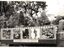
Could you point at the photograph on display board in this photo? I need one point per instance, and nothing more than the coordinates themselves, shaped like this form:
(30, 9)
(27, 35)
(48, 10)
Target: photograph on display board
(6, 34)
(61, 35)
(16, 34)
(47, 33)
(35, 33)
(25, 33)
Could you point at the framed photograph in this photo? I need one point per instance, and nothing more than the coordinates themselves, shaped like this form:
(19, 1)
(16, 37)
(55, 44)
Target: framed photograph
(25, 33)
(6, 34)
(35, 33)
(61, 35)
(48, 33)
(16, 34)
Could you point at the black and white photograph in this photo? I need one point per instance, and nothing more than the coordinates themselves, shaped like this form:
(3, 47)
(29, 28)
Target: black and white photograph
(16, 34)
(6, 34)
(47, 33)
(32, 23)
(35, 33)
(25, 34)
(61, 34)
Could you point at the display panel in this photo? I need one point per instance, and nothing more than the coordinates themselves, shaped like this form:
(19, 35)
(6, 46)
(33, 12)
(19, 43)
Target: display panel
(16, 34)
(6, 34)
(26, 34)
(61, 35)
(48, 32)
(35, 33)
(29, 34)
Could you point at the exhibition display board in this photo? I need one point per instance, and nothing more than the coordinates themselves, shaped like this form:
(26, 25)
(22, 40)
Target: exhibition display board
(29, 34)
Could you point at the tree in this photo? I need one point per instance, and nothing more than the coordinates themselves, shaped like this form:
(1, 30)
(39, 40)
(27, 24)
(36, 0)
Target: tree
(2, 21)
(58, 18)
(42, 4)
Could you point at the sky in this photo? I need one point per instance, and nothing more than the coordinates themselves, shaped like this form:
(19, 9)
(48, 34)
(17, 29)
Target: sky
(55, 7)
